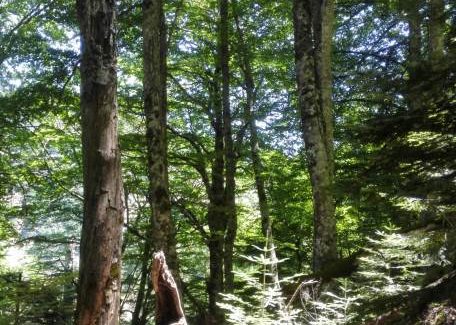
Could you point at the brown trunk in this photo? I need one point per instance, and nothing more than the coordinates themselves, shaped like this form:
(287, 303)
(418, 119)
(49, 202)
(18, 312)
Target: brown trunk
(221, 212)
(309, 54)
(168, 309)
(216, 214)
(99, 268)
(230, 159)
(162, 234)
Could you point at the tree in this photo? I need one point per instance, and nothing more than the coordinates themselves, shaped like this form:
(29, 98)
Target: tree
(161, 233)
(230, 155)
(312, 27)
(414, 21)
(436, 30)
(257, 164)
(100, 260)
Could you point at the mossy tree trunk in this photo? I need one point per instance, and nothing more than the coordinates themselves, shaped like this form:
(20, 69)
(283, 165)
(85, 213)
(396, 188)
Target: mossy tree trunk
(313, 33)
(161, 233)
(216, 214)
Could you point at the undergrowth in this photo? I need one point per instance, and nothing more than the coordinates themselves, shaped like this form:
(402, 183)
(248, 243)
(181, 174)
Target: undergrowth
(392, 264)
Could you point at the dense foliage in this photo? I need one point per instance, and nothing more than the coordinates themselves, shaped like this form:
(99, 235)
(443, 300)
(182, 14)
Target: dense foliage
(395, 156)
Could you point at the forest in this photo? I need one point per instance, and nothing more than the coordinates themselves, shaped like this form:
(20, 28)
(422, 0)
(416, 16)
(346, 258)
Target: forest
(228, 162)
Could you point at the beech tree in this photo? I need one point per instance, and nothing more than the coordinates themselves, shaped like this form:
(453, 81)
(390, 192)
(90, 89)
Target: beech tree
(100, 261)
(313, 34)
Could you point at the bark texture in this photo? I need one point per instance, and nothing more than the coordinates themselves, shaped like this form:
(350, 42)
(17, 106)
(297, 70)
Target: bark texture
(222, 210)
(162, 235)
(230, 157)
(216, 214)
(436, 30)
(99, 274)
(313, 31)
(168, 309)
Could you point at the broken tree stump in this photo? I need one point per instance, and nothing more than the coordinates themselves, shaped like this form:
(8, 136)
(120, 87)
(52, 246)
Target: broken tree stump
(168, 305)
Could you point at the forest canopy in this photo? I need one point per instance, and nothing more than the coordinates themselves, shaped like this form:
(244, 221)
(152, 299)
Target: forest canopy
(294, 161)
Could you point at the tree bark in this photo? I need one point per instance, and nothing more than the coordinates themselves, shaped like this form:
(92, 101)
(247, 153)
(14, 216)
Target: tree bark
(230, 157)
(316, 123)
(162, 232)
(216, 214)
(436, 30)
(168, 309)
(99, 269)
(221, 211)
(323, 24)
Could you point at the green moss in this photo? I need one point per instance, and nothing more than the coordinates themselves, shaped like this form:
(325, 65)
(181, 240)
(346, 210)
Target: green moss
(115, 270)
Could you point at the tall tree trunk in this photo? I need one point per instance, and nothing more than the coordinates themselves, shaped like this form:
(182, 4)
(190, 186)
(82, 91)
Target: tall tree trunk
(230, 158)
(324, 31)
(436, 30)
(99, 267)
(162, 232)
(216, 214)
(309, 55)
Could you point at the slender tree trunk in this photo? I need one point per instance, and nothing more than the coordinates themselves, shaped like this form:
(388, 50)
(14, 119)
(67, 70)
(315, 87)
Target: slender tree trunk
(414, 20)
(230, 158)
(162, 234)
(99, 267)
(436, 30)
(68, 289)
(309, 74)
(17, 307)
(266, 222)
(216, 214)
(140, 297)
(324, 30)
(221, 212)
(147, 305)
